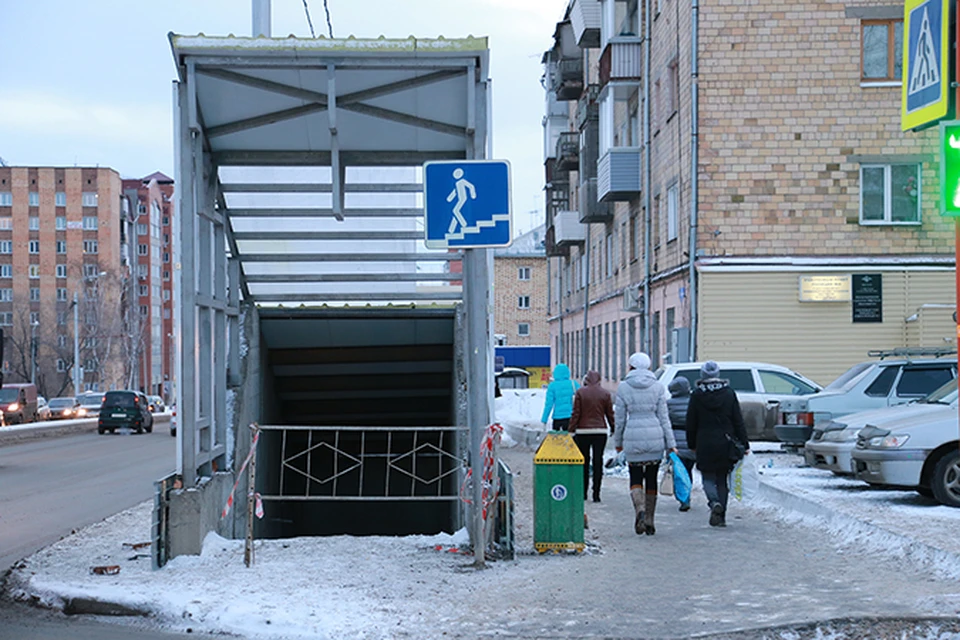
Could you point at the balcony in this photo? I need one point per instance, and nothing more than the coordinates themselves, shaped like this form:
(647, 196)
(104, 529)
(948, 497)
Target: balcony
(590, 209)
(568, 151)
(621, 60)
(618, 174)
(550, 244)
(587, 106)
(565, 64)
(585, 19)
(568, 230)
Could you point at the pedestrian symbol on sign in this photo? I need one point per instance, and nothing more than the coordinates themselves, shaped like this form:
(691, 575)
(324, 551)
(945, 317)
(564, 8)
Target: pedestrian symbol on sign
(459, 192)
(925, 72)
(558, 492)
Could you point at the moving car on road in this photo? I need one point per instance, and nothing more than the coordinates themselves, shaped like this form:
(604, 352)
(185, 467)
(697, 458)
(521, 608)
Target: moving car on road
(125, 409)
(63, 408)
(832, 443)
(899, 376)
(18, 402)
(43, 409)
(156, 404)
(761, 389)
(90, 404)
(921, 453)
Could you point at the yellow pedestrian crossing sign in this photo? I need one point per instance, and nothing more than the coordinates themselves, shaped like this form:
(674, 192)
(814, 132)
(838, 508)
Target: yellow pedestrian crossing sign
(926, 68)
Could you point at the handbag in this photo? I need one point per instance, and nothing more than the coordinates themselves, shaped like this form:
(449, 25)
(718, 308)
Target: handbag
(735, 448)
(666, 480)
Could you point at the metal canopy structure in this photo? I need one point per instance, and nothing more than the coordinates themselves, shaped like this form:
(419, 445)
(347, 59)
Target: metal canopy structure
(299, 183)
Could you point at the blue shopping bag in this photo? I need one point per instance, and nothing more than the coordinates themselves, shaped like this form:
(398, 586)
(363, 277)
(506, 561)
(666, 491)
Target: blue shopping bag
(681, 479)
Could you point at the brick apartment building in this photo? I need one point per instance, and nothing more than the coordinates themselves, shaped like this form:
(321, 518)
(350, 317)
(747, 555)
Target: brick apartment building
(150, 201)
(520, 291)
(68, 234)
(809, 232)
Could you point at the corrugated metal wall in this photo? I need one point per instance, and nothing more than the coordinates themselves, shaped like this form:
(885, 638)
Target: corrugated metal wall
(758, 316)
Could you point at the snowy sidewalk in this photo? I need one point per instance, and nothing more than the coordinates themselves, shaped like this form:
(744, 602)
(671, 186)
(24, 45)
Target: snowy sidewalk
(773, 565)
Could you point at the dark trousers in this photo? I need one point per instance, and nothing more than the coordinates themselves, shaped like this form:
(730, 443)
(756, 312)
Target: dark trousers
(594, 443)
(715, 486)
(644, 476)
(563, 424)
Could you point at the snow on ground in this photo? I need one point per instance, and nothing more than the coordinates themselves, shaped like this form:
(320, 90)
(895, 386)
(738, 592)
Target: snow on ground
(378, 581)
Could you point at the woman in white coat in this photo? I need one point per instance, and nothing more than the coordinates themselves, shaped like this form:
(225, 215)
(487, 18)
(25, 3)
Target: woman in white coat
(643, 432)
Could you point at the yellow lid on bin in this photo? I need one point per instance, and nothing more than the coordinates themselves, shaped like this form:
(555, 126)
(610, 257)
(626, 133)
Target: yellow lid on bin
(558, 447)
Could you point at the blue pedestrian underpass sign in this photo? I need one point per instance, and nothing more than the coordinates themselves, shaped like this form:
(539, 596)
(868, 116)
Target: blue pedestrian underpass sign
(466, 203)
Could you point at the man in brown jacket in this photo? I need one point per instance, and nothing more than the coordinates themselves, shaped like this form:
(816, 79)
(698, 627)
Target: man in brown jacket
(592, 416)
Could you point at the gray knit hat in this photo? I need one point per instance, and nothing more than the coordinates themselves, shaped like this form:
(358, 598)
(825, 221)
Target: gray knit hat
(710, 369)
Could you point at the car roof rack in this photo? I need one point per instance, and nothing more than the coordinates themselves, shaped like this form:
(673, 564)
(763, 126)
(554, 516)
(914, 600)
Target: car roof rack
(907, 352)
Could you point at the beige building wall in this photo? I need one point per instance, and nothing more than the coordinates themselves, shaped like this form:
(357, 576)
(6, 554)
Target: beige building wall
(758, 316)
(509, 288)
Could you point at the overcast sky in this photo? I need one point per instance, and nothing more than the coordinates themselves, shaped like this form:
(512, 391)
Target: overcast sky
(88, 82)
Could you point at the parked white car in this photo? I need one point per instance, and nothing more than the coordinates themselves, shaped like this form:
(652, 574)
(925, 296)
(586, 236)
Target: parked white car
(921, 453)
(832, 443)
(899, 376)
(761, 389)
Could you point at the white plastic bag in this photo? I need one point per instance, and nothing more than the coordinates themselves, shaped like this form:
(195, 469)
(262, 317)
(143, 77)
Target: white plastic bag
(745, 478)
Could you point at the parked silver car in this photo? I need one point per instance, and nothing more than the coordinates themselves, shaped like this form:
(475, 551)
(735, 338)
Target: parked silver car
(922, 453)
(899, 376)
(832, 443)
(761, 388)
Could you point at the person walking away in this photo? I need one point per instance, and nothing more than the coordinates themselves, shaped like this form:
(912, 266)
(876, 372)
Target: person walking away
(713, 420)
(644, 434)
(679, 389)
(559, 399)
(592, 413)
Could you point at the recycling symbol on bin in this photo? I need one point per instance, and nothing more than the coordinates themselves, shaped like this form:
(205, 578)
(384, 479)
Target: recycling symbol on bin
(558, 492)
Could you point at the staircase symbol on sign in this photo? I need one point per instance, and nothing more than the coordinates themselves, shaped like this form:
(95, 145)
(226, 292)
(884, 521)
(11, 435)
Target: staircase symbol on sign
(925, 73)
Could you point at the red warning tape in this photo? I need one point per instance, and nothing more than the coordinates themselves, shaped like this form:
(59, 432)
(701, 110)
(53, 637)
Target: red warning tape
(489, 477)
(259, 507)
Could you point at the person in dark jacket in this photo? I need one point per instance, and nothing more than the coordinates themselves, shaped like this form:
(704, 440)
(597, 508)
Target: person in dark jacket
(679, 389)
(713, 419)
(592, 416)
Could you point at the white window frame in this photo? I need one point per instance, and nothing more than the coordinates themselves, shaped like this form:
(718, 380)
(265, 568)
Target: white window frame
(6, 320)
(6, 270)
(6, 294)
(91, 270)
(523, 329)
(91, 247)
(61, 223)
(89, 199)
(887, 195)
(61, 294)
(6, 199)
(91, 223)
(143, 249)
(6, 223)
(34, 294)
(60, 199)
(33, 247)
(33, 271)
(523, 302)
(523, 273)
(673, 205)
(61, 271)
(6, 246)
(33, 223)
(33, 199)
(61, 365)
(61, 247)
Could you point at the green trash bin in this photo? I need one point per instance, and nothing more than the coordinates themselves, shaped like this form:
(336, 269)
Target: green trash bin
(558, 494)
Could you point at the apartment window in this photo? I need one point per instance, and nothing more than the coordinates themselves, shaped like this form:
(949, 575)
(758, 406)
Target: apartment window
(61, 340)
(166, 295)
(166, 220)
(61, 223)
(34, 294)
(6, 246)
(673, 196)
(6, 224)
(61, 271)
(166, 256)
(33, 199)
(143, 249)
(6, 271)
(143, 290)
(34, 270)
(61, 365)
(91, 270)
(6, 199)
(881, 57)
(91, 223)
(90, 246)
(6, 294)
(61, 294)
(166, 276)
(61, 317)
(33, 223)
(34, 246)
(144, 311)
(523, 302)
(90, 364)
(523, 329)
(60, 199)
(142, 229)
(61, 246)
(89, 199)
(523, 273)
(142, 270)
(890, 194)
(166, 314)
(142, 208)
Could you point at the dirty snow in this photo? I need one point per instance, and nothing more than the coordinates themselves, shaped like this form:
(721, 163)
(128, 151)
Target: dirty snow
(421, 582)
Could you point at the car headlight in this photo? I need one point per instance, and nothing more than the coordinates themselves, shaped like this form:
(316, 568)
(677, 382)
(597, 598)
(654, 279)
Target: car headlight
(892, 441)
(81, 411)
(840, 435)
(13, 407)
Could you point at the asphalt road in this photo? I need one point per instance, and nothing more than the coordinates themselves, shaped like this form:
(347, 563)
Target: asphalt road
(51, 486)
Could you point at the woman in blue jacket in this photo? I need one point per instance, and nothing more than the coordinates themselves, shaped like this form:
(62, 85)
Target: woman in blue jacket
(560, 394)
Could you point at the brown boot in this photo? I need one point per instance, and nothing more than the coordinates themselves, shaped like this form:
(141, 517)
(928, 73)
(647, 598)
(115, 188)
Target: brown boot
(650, 506)
(637, 496)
